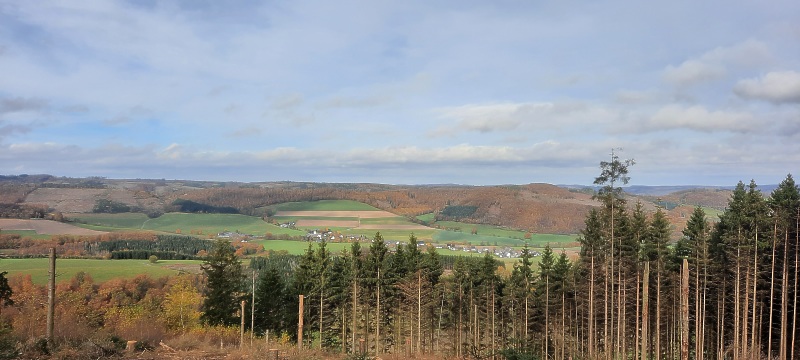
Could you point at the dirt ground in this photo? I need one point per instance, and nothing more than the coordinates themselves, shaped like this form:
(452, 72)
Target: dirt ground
(46, 227)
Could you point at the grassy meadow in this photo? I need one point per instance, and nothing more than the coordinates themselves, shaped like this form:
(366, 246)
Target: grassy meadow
(27, 234)
(324, 205)
(100, 270)
(184, 223)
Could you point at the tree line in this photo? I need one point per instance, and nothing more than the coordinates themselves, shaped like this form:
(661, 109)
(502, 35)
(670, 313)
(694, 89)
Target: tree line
(726, 289)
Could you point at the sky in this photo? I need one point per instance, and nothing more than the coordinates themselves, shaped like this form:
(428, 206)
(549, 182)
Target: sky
(401, 92)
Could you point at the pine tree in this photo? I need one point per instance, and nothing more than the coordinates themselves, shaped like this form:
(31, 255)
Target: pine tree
(656, 252)
(224, 286)
(785, 206)
(271, 310)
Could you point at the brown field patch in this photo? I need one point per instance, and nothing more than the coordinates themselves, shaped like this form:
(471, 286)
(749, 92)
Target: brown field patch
(328, 223)
(83, 200)
(343, 213)
(46, 227)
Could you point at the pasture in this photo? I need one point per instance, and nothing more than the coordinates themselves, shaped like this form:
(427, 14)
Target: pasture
(299, 247)
(184, 223)
(489, 230)
(123, 220)
(324, 205)
(27, 234)
(100, 270)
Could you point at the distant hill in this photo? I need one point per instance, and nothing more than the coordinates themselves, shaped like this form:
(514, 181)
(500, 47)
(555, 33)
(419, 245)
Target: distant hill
(537, 208)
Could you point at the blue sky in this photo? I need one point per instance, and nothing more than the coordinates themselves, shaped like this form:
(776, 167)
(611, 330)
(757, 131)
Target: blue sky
(401, 92)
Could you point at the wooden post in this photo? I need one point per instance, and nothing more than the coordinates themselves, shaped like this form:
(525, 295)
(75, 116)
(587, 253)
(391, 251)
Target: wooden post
(241, 330)
(51, 297)
(362, 346)
(685, 310)
(300, 325)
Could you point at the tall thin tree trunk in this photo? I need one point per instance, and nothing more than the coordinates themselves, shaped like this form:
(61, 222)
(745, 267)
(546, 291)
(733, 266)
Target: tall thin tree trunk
(737, 297)
(637, 317)
(745, 313)
(611, 319)
(354, 331)
(419, 308)
(378, 315)
(51, 298)
(796, 273)
(563, 324)
(645, 309)
(685, 311)
(754, 350)
(772, 288)
(591, 311)
(658, 313)
(784, 300)
(546, 315)
(606, 341)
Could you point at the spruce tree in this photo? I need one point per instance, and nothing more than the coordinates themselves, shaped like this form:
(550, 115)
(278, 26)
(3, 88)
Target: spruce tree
(271, 310)
(224, 286)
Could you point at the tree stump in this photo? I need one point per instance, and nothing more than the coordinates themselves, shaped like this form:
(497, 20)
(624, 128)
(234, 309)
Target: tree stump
(130, 346)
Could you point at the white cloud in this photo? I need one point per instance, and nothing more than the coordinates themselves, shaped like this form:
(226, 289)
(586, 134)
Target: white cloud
(525, 116)
(714, 64)
(697, 118)
(776, 87)
(692, 72)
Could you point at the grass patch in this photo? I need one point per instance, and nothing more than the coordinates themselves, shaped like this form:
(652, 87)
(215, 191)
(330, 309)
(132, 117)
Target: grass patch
(428, 218)
(123, 220)
(211, 224)
(324, 205)
(537, 241)
(712, 214)
(443, 236)
(32, 234)
(398, 220)
(100, 270)
(299, 247)
(488, 230)
(285, 219)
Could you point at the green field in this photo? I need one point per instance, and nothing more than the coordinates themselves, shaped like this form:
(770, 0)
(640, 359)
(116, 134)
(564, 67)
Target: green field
(428, 218)
(324, 205)
(285, 219)
(124, 220)
(489, 230)
(32, 234)
(536, 241)
(711, 213)
(100, 270)
(208, 224)
(299, 247)
(397, 220)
